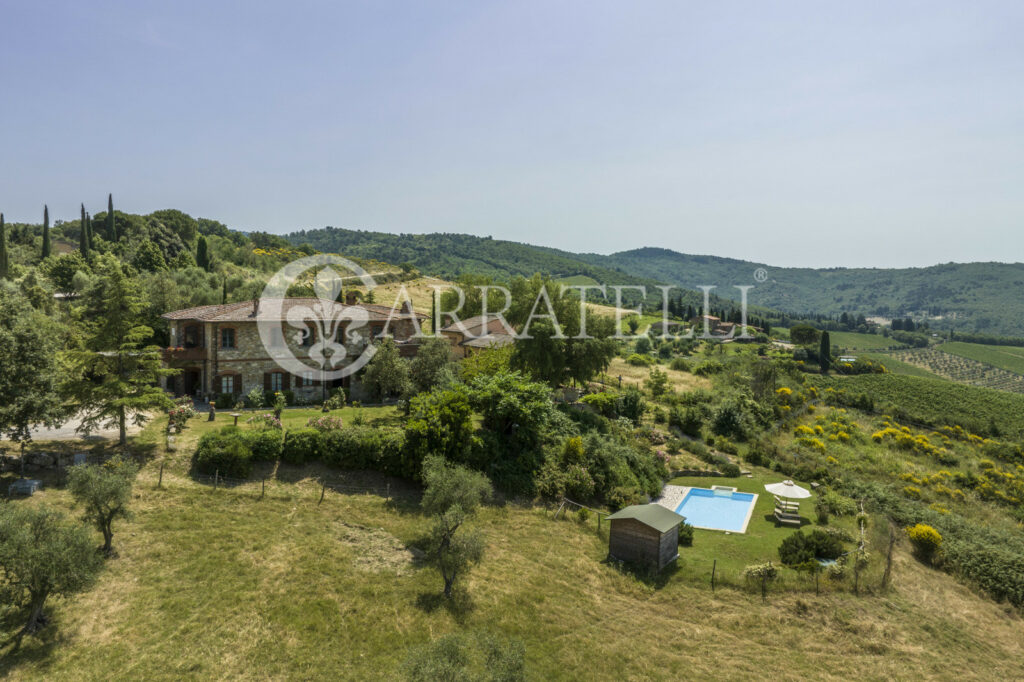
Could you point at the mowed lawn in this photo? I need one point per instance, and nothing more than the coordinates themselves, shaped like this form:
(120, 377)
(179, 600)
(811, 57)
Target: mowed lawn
(224, 585)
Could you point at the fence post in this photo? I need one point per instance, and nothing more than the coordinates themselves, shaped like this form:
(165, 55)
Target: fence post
(160, 480)
(387, 493)
(323, 491)
(263, 488)
(714, 569)
(216, 475)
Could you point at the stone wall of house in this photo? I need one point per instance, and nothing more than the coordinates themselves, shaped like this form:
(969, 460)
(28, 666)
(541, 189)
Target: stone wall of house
(250, 360)
(40, 461)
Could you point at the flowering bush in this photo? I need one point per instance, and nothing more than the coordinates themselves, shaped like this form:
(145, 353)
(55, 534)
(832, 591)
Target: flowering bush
(926, 540)
(265, 421)
(180, 414)
(324, 423)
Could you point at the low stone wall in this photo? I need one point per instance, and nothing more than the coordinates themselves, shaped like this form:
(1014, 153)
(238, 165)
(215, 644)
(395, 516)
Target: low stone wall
(40, 461)
(697, 472)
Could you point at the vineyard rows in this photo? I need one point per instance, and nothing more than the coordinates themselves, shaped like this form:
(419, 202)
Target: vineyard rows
(961, 369)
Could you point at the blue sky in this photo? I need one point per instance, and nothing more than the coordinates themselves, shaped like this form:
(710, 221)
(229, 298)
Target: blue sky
(792, 133)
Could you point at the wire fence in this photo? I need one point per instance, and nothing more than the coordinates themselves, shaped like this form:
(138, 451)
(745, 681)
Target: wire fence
(259, 486)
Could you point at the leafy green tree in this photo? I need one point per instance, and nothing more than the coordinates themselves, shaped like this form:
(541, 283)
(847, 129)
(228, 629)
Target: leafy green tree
(43, 555)
(452, 494)
(433, 360)
(104, 490)
(115, 377)
(657, 382)
(441, 423)
(29, 370)
(149, 258)
(61, 270)
(46, 231)
(387, 373)
(461, 656)
(202, 253)
(825, 353)
(5, 263)
(803, 335)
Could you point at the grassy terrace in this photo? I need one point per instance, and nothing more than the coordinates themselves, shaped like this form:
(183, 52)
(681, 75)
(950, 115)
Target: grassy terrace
(222, 584)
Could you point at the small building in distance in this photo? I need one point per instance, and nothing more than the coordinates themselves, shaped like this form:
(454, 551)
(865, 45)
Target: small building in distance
(645, 534)
(476, 333)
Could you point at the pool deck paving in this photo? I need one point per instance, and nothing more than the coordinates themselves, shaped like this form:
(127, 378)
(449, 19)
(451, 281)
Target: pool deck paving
(671, 496)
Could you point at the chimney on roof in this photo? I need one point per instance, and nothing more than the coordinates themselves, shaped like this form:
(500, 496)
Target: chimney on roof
(407, 307)
(351, 297)
(255, 306)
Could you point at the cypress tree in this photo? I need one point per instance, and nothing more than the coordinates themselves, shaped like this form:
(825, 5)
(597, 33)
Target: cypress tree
(202, 255)
(224, 292)
(88, 229)
(3, 248)
(83, 238)
(111, 228)
(825, 353)
(46, 231)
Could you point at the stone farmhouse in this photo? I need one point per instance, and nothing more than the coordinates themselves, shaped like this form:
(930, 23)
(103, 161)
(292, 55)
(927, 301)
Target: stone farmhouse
(475, 334)
(219, 349)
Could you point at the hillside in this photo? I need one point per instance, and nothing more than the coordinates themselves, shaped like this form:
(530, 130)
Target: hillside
(980, 297)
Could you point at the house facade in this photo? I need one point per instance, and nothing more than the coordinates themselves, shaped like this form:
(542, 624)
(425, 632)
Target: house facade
(219, 350)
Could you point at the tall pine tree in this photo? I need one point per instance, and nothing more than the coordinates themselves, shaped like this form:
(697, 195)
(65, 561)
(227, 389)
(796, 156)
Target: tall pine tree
(46, 231)
(3, 248)
(111, 227)
(83, 238)
(115, 378)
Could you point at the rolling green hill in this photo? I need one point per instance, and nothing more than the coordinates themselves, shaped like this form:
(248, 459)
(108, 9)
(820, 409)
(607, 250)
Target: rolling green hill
(981, 297)
(969, 297)
(1010, 358)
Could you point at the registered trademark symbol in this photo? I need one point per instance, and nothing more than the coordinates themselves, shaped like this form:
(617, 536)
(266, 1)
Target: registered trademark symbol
(761, 275)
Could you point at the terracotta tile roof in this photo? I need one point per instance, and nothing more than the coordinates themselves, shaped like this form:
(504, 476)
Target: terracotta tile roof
(474, 326)
(489, 341)
(243, 311)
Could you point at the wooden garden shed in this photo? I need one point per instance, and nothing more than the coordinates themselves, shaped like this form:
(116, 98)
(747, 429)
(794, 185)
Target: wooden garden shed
(646, 534)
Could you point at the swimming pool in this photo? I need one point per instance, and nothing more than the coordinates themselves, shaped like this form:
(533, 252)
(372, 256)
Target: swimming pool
(718, 508)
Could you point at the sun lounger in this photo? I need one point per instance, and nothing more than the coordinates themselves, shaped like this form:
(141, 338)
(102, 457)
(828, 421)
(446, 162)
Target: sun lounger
(786, 504)
(787, 518)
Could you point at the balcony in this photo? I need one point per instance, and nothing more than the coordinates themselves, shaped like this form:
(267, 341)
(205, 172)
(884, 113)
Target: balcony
(179, 354)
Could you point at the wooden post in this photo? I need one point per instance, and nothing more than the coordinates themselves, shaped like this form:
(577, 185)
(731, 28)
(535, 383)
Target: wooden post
(160, 480)
(323, 491)
(263, 488)
(216, 475)
(714, 569)
(387, 493)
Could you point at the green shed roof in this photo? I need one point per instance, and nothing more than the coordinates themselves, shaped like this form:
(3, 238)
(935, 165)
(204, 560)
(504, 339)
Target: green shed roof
(653, 515)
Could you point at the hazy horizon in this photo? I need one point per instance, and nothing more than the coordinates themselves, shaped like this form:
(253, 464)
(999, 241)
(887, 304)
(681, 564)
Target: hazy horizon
(790, 134)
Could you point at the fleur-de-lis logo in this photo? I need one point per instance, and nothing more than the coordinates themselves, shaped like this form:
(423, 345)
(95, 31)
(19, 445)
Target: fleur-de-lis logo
(339, 331)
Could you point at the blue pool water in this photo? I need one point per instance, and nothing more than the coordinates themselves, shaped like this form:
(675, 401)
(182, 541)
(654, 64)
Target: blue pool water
(717, 510)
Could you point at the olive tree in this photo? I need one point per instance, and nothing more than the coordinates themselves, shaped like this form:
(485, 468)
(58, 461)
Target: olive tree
(453, 493)
(104, 490)
(42, 553)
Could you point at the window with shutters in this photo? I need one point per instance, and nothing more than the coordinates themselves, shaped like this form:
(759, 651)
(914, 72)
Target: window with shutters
(341, 334)
(227, 383)
(307, 378)
(276, 381)
(227, 338)
(191, 336)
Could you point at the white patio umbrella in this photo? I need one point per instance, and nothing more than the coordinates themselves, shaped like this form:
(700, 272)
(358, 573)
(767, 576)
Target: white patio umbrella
(788, 489)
